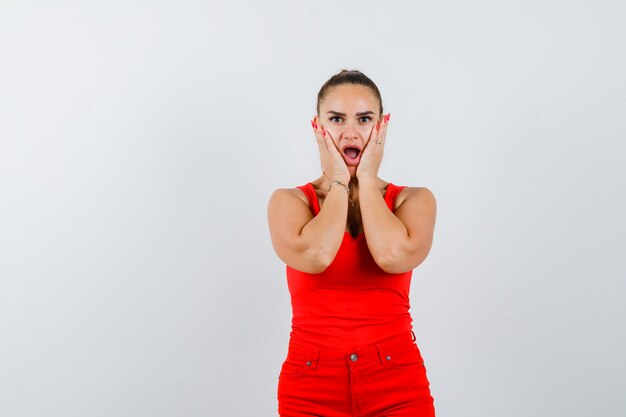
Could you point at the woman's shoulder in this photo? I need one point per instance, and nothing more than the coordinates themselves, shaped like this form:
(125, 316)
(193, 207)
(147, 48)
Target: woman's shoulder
(409, 193)
(289, 194)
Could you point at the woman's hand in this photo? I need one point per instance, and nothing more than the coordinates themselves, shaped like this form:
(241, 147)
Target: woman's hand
(333, 165)
(373, 152)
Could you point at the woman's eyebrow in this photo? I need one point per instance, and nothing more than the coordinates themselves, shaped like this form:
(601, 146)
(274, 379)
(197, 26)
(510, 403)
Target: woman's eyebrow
(362, 113)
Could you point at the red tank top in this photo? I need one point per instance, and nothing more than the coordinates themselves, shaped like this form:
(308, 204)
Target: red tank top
(353, 302)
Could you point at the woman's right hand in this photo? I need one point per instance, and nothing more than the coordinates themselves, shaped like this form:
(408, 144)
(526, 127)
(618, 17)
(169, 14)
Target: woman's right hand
(333, 165)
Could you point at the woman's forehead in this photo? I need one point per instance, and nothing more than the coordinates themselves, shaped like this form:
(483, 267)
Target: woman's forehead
(349, 98)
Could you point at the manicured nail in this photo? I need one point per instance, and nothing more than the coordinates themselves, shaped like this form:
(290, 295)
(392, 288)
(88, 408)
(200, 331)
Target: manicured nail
(387, 118)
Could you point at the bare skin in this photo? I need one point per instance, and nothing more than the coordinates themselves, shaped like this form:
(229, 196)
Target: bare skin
(398, 241)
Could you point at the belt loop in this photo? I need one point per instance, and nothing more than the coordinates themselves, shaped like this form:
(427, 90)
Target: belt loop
(380, 354)
(316, 356)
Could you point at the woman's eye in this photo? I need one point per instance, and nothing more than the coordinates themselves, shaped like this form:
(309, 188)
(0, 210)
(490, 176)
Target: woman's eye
(335, 119)
(365, 119)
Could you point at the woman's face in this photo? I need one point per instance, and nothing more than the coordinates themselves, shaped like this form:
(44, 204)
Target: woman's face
(349, 112)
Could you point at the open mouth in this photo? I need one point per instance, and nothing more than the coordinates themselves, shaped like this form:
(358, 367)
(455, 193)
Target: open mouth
(351, 152)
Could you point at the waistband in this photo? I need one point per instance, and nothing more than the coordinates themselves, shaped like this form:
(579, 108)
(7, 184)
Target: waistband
(311, 355)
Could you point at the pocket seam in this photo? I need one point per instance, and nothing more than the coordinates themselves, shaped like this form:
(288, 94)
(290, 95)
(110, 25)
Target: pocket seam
(412, 357)
(291, 369)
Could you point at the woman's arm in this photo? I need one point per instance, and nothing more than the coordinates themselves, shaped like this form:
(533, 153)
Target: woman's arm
(302, 241)
(398, 241)
(305, 242)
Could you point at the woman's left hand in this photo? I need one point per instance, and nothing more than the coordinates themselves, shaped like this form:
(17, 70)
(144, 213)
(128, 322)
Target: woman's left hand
(373, 152)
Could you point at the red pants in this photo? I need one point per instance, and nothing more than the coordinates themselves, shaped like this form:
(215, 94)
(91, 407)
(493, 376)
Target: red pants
(386, 379)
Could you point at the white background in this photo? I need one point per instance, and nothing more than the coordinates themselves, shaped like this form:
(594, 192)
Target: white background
(140, 142)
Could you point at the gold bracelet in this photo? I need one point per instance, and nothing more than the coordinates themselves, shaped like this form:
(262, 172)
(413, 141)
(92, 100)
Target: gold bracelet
(340, 183)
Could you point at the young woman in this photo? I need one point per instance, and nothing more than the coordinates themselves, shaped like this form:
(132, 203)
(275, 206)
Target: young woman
(350, 241)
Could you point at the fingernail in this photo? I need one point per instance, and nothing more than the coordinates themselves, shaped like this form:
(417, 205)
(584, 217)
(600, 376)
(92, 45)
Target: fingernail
(378, 125)
(388, 117)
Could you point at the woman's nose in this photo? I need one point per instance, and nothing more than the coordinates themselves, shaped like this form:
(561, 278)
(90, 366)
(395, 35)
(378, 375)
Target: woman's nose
(350, 131)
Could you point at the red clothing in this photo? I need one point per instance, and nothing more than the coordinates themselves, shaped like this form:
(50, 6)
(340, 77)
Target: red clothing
(353, 302)
(385, 379)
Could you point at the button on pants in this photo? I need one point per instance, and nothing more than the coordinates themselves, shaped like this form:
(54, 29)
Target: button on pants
(386, 379)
